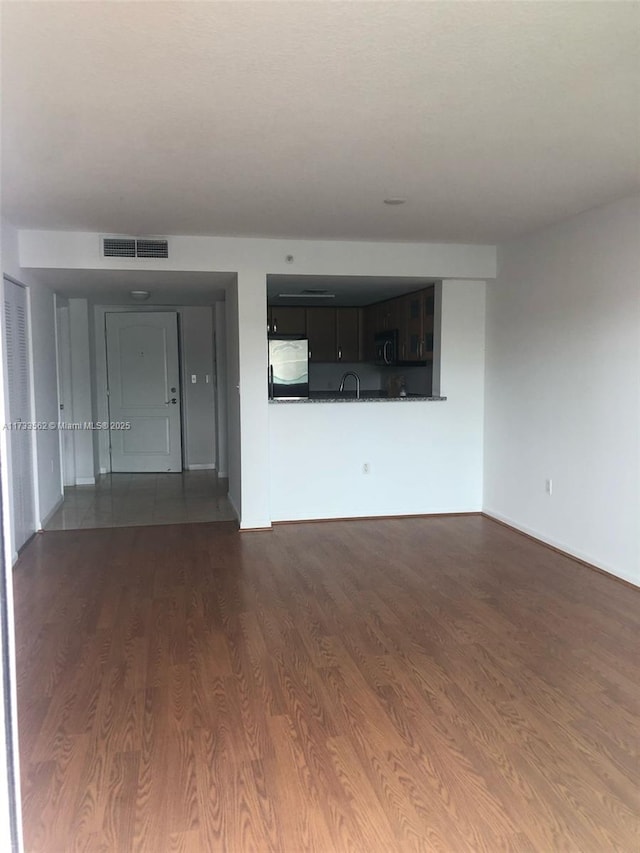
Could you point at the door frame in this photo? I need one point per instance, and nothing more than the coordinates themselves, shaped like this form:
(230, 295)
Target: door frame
(32, 444)
(65, 394)
(143, 310)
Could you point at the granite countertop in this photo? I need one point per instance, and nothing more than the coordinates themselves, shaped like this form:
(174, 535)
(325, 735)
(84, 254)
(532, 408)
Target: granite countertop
(350, 397)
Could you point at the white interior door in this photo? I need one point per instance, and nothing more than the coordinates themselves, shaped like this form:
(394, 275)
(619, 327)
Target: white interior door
(144, 391)
(18, 390)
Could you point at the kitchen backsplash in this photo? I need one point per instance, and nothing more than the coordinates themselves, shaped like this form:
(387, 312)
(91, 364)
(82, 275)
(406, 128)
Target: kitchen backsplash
(326, 377)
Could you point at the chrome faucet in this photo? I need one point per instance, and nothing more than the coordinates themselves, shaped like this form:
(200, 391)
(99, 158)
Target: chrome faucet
(356, 377)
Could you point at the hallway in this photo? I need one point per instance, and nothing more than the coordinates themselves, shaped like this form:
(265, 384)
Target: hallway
(133, 500)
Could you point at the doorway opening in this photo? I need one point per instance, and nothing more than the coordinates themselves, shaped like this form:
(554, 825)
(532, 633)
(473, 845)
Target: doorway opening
(153, 388)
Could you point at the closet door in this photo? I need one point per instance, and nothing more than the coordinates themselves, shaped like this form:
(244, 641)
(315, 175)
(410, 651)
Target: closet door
(18, 391)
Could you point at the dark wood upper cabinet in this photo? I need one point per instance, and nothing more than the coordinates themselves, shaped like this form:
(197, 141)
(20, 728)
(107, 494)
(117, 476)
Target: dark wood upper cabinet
(416, 335)
(346, 334)
(369, 329)
(321, 331)
(348, 323)
(414, 326)
(286, 320)
(429, 320)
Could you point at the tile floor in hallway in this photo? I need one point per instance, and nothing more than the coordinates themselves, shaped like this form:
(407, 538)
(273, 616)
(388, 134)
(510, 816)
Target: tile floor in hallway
(130, 500)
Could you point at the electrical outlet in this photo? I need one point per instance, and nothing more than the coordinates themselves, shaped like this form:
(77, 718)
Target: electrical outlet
(548, 486)
(365, 468)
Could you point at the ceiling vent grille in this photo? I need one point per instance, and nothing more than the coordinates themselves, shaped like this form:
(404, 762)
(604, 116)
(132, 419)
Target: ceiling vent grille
(129, 247)
(118, 247)
(152, 248)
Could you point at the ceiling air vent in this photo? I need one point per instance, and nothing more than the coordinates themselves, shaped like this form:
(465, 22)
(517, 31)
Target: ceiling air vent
(129, 247)
(152, 248)
(118, 247)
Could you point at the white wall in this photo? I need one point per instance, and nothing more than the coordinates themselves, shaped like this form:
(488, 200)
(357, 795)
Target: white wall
(45, 392)
(81, 250)
(196, 335)
(424, 457)
(252, 260)
(563, 389)
(233, 401)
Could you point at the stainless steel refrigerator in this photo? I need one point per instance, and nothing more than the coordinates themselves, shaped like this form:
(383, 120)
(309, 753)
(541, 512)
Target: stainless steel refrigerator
(288, 367)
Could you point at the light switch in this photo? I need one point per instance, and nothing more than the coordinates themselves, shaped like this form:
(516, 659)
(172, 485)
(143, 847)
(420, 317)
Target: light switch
(194, 379)
(206, 378)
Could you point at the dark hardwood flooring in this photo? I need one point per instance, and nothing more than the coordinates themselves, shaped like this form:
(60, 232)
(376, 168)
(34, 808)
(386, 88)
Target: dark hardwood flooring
(438, 684)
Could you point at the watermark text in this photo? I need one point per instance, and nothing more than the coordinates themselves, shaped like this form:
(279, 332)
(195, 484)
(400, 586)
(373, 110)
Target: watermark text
(65, 425)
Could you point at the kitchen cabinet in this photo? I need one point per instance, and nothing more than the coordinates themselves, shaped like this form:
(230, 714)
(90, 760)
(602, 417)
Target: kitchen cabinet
(286, 320)
(321, 331)
(379, 317)
(348, 322)
(416, 330)
(429, 320)
(346, 334)
(369, 329)
(388, 315)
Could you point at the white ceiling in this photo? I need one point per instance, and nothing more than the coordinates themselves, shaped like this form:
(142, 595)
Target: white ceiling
(112, 287)
(297, 119)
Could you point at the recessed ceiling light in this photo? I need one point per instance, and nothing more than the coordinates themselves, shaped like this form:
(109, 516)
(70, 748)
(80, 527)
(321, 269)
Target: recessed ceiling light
(394, 200)
(139, 295)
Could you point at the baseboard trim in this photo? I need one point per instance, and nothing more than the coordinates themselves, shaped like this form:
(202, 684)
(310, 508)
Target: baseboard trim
(49, 516)
(256, 529)
(208, 466)
(376, 517)
(85, 481)
(563, 552)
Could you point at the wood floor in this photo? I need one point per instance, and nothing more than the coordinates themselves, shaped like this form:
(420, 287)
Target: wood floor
(421, 684)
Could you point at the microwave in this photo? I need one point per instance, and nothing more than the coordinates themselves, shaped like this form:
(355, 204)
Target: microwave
(387, 347)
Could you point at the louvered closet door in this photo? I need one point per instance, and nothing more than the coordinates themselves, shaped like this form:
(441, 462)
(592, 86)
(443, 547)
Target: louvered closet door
(18, 390)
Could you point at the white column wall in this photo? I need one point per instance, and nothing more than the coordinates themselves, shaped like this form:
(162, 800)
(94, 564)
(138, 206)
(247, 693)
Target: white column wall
(254, 421)
(234, 437)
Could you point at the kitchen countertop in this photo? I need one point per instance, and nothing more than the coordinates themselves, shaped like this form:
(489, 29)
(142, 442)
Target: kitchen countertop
(365, 397)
